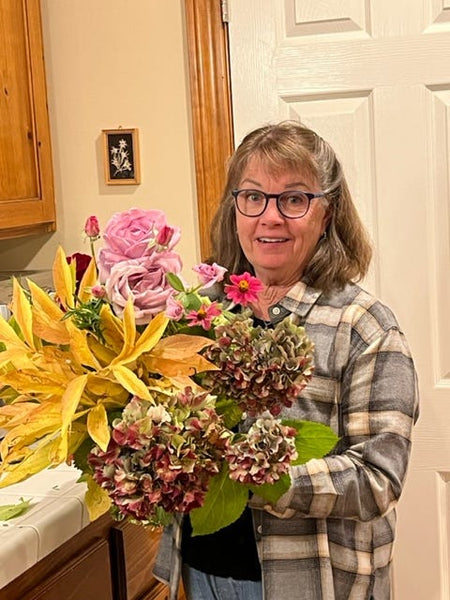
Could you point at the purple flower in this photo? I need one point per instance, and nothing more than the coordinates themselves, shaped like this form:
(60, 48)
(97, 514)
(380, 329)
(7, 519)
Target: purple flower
(174, 309)
(133, 234)
(208, 275)
(144, 279)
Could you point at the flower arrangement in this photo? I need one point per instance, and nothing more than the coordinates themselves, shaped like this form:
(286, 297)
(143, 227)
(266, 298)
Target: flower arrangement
(166, 400)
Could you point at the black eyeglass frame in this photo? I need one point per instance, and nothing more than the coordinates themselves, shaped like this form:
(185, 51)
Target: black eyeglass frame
(309, 195)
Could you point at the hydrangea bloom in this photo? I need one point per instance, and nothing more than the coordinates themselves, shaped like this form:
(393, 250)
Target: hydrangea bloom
(261, 369)
(161, 455)
(263, 454)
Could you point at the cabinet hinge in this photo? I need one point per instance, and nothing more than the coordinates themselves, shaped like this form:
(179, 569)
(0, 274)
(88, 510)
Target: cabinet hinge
(225, 12)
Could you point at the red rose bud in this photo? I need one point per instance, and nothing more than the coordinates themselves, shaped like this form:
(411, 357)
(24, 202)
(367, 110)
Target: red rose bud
(92, 228)
(164, 236)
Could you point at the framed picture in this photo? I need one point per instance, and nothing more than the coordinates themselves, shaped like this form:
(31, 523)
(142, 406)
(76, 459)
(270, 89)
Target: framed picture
(121, 156)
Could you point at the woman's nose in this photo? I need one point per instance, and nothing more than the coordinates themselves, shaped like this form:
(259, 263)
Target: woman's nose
(272, 213)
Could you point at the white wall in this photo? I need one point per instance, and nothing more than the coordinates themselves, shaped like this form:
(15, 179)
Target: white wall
(114, 63)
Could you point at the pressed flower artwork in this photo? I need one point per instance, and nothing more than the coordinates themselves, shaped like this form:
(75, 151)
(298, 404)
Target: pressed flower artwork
(121, 156)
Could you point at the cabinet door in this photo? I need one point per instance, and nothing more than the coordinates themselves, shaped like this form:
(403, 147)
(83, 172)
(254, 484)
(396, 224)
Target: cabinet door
(88, 576)
(26, 175)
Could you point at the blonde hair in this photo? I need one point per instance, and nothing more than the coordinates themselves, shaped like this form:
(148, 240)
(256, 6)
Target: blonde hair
(344, 254)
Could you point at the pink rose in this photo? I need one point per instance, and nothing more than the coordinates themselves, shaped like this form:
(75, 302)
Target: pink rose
(208, 275)
(132, 234)
(174, 309)
(144, 279)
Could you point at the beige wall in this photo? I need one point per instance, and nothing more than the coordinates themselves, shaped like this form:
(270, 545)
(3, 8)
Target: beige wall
(114, 63)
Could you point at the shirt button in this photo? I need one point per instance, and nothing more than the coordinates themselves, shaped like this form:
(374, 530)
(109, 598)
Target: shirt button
(276, 310)
(259, 529)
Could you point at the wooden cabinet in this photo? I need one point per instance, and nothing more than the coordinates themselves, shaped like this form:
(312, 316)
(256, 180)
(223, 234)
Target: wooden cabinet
(105, 561)
(27, 203)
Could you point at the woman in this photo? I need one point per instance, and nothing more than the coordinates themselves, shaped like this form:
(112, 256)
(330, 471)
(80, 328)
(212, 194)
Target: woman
(287, 216)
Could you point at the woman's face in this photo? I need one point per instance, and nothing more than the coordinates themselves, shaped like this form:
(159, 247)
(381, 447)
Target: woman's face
(279, 248)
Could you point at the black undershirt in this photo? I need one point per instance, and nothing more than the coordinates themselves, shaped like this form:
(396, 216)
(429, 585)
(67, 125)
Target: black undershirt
(229, 552)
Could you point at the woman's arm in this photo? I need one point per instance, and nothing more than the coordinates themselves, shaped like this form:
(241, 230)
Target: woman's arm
(379, 404)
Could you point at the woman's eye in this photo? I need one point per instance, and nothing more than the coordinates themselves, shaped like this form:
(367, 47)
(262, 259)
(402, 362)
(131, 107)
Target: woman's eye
(253, 197)
(295, 199)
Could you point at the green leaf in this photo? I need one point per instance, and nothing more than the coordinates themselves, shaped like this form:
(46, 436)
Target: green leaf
(224, 503)
(313, 440)
(80, 456)
(272, 492)
(230, 411)
(9, 511)
(175, 282)
(192, 301)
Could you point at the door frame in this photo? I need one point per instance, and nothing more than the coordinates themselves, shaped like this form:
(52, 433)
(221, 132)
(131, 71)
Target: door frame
(210, 99)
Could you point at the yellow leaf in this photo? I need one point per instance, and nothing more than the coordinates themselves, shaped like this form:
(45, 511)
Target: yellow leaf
(17, 357)
(129, 333)
(112, 328)
(36, 461)
(106, 388)
(44, 302)
(183, 382)
(10, 338)
(181, 346)
(70, 400)
(97, 500)
(21, 310)
(187, 367)
(32, 381)
(152, 334)
(147, 340)
(63, 279)
(45, 418)
(177, 356)
(47, 315)
(131, 382)
(79, 346)
(97, 426)
(88, 281)
(103, 354)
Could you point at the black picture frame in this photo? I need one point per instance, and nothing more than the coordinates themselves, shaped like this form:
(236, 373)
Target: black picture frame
(121, 156)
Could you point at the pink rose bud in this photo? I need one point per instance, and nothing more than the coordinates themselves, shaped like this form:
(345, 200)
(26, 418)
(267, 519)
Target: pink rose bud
(165, 235)
(92, 227)
(98, 291)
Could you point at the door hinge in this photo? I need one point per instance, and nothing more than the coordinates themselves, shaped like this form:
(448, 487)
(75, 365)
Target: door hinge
(225, 12)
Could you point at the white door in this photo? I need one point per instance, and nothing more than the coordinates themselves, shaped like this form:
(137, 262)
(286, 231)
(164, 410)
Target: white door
(373, 78)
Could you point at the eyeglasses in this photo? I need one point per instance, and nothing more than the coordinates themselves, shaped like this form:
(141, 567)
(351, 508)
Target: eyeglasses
(292, 205)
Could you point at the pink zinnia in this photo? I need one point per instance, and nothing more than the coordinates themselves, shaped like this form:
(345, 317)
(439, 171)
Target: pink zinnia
(243, 289)
(204, 315)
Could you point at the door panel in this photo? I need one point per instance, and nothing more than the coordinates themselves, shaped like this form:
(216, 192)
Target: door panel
(373, 78)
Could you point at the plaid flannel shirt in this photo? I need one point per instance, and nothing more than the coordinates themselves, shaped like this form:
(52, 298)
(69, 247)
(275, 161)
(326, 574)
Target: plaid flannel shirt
(330, 536)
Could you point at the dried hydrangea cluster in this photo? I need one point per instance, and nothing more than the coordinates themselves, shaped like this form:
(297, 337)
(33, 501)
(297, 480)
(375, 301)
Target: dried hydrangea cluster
(263, 454)
(161, 455)
(259, 368)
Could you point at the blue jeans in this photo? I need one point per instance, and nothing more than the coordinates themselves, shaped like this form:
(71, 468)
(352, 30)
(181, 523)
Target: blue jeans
(201, 586)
